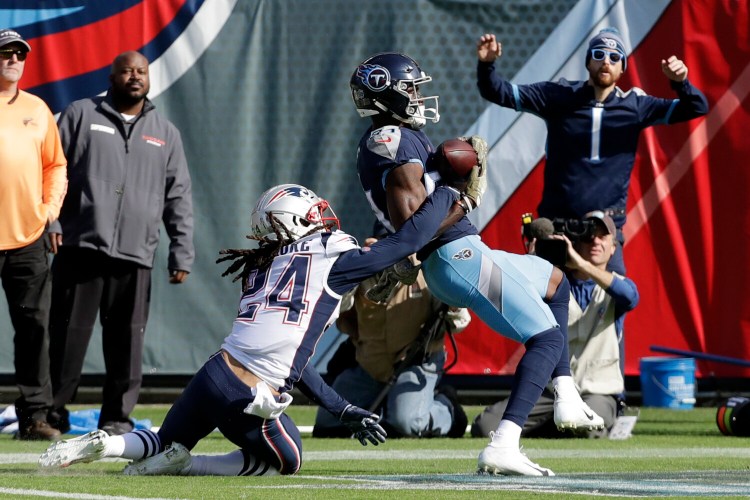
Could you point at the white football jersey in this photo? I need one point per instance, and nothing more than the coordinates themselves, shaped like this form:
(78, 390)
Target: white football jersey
(286, 308)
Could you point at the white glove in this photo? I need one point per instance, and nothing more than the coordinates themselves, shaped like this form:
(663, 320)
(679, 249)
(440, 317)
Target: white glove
(457, 319)
(265, 405)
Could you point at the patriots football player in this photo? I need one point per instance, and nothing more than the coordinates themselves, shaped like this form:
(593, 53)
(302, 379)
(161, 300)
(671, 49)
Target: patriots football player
(292, 287)
(522, 297)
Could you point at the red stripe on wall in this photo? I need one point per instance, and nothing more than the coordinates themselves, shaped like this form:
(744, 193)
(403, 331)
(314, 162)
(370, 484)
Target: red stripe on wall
(94, 46)
(689, 260)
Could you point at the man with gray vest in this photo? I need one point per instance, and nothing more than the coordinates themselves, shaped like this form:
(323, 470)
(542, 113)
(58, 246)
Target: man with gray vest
(599, 300)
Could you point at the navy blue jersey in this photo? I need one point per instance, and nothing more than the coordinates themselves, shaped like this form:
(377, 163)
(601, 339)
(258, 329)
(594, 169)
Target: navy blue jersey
(591, 145)
(384, 149)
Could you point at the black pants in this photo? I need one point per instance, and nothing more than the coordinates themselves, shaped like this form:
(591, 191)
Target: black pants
(86, 282)
(26, 281)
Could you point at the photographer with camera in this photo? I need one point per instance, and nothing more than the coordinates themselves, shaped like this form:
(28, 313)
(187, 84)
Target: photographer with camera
(599, 300)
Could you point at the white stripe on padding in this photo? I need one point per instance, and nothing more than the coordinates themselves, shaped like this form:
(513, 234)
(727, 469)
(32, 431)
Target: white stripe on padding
(190, 45)
(517, 140)
(491, 282)
(681, 164)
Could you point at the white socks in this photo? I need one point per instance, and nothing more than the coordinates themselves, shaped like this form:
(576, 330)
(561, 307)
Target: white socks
(507, 435)
(133, 445)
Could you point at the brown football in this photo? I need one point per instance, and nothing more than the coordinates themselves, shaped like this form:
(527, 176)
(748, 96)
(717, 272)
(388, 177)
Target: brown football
(455, 159)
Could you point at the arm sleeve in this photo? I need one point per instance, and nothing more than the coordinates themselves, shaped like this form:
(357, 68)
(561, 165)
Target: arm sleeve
(355, 266)
(312, 385)
(625, 294)
(178, 209)
(533, 98)
(690, 103)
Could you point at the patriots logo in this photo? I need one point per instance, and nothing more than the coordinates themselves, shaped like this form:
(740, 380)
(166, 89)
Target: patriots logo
(463, 254)
(297, 191)
(375, 78)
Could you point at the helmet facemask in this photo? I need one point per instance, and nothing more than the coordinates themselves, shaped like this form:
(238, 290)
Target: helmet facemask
(389, 84)
(407, 105)
(293, 211)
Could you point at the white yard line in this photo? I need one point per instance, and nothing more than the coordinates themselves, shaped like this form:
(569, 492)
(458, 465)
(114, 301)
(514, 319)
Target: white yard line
(60, 494)
(426, 454)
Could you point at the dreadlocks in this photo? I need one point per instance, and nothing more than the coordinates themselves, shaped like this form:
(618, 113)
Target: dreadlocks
(261, 257)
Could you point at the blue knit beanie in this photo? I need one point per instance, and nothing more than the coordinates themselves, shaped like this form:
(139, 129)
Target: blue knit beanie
(608, 38)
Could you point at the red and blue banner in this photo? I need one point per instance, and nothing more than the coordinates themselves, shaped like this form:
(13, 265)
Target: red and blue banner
(688, 216)
(259, 91)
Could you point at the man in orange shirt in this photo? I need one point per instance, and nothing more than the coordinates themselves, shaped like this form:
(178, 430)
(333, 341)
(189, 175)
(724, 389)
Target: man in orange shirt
(33, 173)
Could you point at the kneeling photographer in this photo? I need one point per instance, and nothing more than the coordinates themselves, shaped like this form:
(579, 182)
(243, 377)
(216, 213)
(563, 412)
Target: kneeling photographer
(599, 300)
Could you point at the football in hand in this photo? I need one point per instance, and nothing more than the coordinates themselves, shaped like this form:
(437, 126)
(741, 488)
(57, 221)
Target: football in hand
(455, 159)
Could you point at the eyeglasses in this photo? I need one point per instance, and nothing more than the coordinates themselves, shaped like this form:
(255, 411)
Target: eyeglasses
(600, 54)
(7, 54)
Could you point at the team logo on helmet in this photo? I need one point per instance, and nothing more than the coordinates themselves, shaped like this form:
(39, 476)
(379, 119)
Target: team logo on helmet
(463, 254)
(374, 77)
(297, 191)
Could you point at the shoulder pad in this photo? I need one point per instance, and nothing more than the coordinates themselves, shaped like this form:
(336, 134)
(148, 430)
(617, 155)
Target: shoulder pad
(385, 141)
(339, 242)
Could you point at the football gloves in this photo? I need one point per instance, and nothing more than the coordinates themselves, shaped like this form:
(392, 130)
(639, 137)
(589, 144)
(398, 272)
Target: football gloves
(480, 146)
(363, 424)
(402, 271)
(477, 183)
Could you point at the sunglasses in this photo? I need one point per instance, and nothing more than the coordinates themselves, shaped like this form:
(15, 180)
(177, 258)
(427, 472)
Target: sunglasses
(601, 54)
(7, 54)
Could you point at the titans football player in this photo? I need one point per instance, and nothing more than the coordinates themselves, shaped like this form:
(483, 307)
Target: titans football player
(522, 297)
(292, 287)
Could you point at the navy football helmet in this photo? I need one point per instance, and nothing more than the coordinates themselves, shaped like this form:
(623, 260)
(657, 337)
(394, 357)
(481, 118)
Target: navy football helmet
(390, 83)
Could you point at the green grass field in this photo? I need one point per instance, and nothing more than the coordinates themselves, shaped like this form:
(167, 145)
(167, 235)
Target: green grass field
(676, 454)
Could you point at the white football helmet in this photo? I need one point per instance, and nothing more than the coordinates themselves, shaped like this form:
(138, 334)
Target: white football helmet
(297, 208)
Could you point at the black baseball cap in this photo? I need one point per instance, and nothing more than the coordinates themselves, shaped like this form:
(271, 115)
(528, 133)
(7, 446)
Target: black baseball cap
(8, 36)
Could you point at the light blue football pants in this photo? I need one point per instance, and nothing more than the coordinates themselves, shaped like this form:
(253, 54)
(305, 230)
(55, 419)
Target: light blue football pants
(505, 290)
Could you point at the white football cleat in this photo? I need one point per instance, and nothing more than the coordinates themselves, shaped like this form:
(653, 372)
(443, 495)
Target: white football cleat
(572, 413)
(508, 461)
(175, 460)
(82, 449)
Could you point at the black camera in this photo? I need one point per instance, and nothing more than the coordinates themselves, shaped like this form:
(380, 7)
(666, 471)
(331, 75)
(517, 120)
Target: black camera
(575, 229)
(553, 250)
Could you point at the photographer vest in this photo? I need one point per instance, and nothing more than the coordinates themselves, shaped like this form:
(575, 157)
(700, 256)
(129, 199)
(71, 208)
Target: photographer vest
(594, 345)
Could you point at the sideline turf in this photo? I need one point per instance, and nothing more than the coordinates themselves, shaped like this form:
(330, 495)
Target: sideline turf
(679, 454)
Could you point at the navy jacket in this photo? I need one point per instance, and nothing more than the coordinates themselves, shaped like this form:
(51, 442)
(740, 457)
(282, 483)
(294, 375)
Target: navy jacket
(591, 145)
